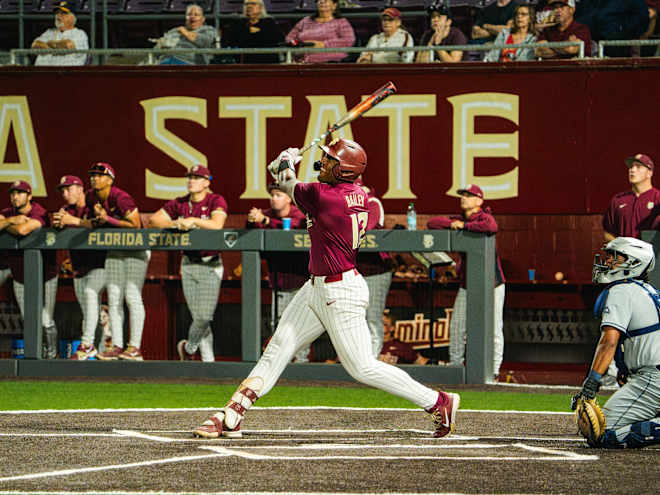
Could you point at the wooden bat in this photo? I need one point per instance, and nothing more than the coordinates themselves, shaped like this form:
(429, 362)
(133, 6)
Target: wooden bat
(358, 110)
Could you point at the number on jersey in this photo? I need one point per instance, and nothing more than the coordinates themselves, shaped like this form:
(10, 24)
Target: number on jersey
(359, 222)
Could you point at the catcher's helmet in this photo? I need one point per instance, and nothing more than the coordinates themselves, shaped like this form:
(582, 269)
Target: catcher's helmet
(640, 260)
(351, 156)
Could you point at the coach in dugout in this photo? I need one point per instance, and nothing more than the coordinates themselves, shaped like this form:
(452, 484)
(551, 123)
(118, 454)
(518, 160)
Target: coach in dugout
(64, 36)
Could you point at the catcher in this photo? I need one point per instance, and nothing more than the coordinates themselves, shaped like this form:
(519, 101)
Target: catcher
(629, 309)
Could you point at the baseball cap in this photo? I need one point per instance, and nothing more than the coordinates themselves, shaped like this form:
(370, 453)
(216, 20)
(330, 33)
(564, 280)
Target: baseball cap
(440, 8)
(102, 168)
(472, 189)
(392, 12)
(69, 180)
(274, 186)
(20, 185)
(570, 3)
(640, 158)
(64, 6)
(199, 171)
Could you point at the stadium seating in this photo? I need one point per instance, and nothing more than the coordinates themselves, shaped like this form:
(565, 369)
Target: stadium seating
(144, 6)
(231, 6)
(11, 6)
(273, 6)
(113, 6)
(181, 5)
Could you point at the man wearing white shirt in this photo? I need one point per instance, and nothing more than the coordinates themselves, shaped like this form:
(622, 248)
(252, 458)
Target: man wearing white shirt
(391, 36)
(65, 35)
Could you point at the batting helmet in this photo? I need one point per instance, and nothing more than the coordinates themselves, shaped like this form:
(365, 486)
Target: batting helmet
(351, 157)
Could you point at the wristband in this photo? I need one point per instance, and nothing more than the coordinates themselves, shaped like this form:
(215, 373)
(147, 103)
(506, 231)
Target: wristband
(595, 375)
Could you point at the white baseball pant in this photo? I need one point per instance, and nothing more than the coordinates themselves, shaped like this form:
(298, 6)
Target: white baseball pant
(88, 291)
(125, 272)
(458, 324)
(379, 286)
(338, 308)
(50, 293)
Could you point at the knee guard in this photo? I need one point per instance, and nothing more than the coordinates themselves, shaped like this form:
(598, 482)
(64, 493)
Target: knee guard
(642, 434)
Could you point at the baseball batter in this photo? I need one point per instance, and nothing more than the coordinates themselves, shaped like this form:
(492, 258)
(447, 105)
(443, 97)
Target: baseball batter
(88, 265)
(473, 219)
(628, 307)
(124, 270)
(23, 217)
(201, 271)
(333, 300)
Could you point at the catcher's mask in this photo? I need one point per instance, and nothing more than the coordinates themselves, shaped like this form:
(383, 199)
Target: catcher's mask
(639, 260)
(351, 157)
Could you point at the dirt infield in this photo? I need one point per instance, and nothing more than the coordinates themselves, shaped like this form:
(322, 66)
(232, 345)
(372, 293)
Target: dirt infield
(312, 450)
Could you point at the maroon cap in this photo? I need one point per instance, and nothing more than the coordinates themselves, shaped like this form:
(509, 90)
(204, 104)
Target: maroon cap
(102, 168)
(199, 171)
(274, 186)
(640, 158)
(20, 185)
(392, 12)
(472, 189)
(69, 180)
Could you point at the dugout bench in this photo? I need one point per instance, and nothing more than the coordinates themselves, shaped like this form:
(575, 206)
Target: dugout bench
(480, 250)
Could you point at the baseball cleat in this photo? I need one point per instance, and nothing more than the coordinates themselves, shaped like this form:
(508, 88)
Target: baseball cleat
(131, 353)
(444, 414)
(84, 352)
(183, 354)
(215, 427)
(111, 354)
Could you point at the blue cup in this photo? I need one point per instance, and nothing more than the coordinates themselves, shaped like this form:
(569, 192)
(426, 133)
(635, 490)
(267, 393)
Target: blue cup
(74, 346)
(531, 273)
(286, 223)
(18, 349)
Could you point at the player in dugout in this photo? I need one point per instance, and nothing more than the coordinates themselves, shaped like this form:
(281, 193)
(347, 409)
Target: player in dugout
(334, 299)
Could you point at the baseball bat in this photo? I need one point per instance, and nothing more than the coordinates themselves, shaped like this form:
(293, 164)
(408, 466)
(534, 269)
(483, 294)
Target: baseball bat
(357, 111)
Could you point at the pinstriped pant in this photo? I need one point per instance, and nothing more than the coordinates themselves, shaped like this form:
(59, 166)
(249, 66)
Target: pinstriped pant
(379, 286)
(457, 328)
(125, 272)
(201, 288)
(338, 308)
(50, 292)
(5, 273)
(88, 292)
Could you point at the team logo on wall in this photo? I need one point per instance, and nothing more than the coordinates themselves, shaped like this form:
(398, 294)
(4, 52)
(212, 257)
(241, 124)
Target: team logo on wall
(231, 238)
(50, 238)
(428, 240)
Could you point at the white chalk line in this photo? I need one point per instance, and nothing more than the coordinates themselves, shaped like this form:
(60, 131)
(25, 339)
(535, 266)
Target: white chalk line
(148, 492)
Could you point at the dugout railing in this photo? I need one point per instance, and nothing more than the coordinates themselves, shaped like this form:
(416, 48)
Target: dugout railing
(480, 251)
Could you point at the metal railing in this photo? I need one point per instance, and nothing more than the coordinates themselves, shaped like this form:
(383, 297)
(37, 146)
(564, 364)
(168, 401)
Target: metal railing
(603, 43)
(153, 54)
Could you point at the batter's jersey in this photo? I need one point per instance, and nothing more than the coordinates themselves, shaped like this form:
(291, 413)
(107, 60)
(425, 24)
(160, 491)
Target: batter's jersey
(15, 257)
(628, 214)
(183, 206)
(337, 219)
(371, 263)
(629, 307)
(84, 260)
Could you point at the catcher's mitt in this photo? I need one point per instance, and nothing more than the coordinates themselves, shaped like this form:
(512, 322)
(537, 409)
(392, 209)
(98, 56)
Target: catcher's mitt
(590, 420)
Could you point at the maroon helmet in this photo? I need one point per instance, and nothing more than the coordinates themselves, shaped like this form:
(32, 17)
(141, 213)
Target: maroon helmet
(351, 156)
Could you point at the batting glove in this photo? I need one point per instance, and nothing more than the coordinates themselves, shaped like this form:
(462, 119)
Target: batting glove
(288, 158)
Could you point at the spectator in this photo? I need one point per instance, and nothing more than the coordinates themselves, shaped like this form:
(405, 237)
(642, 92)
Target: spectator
(442, 33)
(391, 36)
(195, 34)
(88, 264)
(201, 271)
(393, 350)
(254, 29)
(111, 207)
(64, 36)
(567, 29)
(614, 20)
(522, 31)
(287, 271)
(20, 219)
(653, 6)
(473, 219)
(324, 30)
(492, 20)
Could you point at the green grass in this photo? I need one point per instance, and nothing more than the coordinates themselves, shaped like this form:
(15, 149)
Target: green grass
(30, 395)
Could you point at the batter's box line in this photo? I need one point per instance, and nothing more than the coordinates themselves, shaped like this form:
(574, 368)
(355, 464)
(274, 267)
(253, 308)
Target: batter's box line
(551, 454)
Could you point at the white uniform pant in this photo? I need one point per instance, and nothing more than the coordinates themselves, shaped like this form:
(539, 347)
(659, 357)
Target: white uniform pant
(379, 286)
(88, 291)
(50, 293)
(125, 272)
(458, 325)
(338, 308)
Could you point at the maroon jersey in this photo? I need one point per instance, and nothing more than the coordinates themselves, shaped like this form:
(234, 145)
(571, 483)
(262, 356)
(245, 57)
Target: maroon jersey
(118, 204)
(372, 263)
(482, 221)
(580, 31)
(404, 352)
(628, 214)
(15, 257)
(183, 206)
(337, 219)
(84, 260)
(287, 269)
